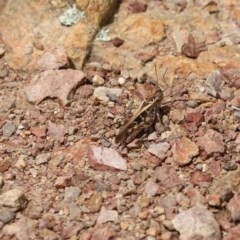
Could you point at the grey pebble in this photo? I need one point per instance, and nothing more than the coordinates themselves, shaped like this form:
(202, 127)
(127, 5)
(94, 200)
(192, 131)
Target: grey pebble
(9, 129)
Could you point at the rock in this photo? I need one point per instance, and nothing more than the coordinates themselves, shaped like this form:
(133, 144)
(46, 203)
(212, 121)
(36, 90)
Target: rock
(97, 80)
(167, 177)
(62, 182)
(21, 163)
(9, 129)
(43, 158)
(159, 149)
(54, 58)
(212, 142)
(38, 131)
(151, 188)
(47, 32)
(5, 164)
(117, 42)
(233, 233)
(197, 223)
(71, 229)
(22, 229)
(105, 94)
(194, 115)
(201, 179)
(214, 83)
(214, 200)
(6, 215)
(234, 207)
(184, 150)
(71, 194)
(105, 233)
(13, 199)
(57, 131)
(137, 6)
(107, 216)
(54, 84)
(231, 76)
(105, 159)
(49, 235)
(94, 203)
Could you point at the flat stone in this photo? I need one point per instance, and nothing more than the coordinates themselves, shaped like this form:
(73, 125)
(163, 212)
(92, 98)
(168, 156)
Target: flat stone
(197, 222)
(233, 233)
(57, 131)
(21, 163)
(62, 182)
(9, 129)
(13, 199)
(53, 59)
(194, 115)
(106, 158)
(6, 215)
(54, 84)
(234, 207)
(5, 164)
(159, 149)
(43, 158)
(107, 216)
(151, 188)
(212, 142)
(105, 94)
(94, 203)
(184, 150)
(105, 233)
(38, 131)
(167, 177)
(49, 234)
(201, 179)
(71, 194)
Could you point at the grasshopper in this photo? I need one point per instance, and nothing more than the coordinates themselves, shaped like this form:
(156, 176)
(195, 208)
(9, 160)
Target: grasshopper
(142, 118)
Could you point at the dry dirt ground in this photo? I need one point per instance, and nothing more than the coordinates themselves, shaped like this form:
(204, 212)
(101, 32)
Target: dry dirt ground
(163, 78)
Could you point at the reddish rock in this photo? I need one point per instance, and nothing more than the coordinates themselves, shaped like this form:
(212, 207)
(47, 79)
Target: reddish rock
(146, 56)
(38, 131)
(234, 207)
(105, 233)
(57, 131)
(54, 84)
(231, 76)
(199, 178)
(53, 59)
(117, 42)
(194, 115)
(151, 188)
(184, 150)
(5, 164)
(215, 167)
(214, 200)
(212, 142)
(105, 159)
(137, 6)
(233, 234)
(62, 182)
(71, 229)
(167, 176)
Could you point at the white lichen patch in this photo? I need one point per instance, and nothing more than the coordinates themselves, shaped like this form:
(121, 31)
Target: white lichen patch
(103, 35)
(71, 16)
